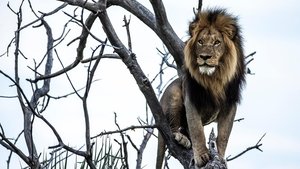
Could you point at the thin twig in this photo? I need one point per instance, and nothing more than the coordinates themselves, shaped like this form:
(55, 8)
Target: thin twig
(91, 72)
(71, 93)
(199, 5)
(239, 120)
(104, 56)
(67, 75)
(15, 142)
(5, 142)
(122, 130)
(256, 146)
(140, 151)
(124, 144)
(250, 55)
(126, 25)
(81, 46)
(9, 97)
(165, 57)
(132, 143)
(44, 15)
(85, 27)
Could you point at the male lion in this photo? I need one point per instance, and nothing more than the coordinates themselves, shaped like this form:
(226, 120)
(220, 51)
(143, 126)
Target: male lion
(210, 89)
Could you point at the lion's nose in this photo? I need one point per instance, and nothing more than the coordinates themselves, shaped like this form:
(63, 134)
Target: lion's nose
(205, 56)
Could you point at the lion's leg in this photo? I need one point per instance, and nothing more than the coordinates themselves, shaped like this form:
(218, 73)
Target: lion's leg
(172, 104)
(177, 126)
(196, 129)
(182, 139)
(161, 148)
(225, 123)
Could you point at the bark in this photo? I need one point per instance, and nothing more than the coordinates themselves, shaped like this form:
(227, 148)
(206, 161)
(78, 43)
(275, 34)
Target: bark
(158, 22)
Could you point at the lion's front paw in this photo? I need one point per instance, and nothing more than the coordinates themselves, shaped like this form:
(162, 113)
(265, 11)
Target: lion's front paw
(201, 160)
(182, 139)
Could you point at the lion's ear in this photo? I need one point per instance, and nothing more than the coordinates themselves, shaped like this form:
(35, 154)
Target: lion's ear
(192, 28)
(193, 25)
(230, 30)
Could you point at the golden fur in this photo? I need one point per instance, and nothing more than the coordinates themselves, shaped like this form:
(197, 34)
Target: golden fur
(225, 24)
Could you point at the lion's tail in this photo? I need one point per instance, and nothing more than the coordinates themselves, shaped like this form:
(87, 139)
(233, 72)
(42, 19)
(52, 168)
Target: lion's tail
(161, 148)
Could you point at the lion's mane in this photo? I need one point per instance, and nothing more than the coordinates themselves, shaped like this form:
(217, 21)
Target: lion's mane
(229, 75)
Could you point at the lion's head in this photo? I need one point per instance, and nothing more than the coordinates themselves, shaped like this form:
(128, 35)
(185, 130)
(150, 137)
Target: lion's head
(213, 55)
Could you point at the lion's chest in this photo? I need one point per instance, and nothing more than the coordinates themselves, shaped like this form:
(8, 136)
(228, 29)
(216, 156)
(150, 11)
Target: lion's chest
(203, 101)
(209, 117)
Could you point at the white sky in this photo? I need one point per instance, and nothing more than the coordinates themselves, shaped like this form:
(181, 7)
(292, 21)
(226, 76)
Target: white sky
(270, 100)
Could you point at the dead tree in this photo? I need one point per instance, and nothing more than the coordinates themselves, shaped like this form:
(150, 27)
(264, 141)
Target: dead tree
(157, 21)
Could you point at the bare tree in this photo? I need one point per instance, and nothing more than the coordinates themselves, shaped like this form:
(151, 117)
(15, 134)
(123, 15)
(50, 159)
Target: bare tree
(34, 105)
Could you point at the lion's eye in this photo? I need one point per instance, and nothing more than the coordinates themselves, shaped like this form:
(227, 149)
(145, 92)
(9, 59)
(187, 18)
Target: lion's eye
(200, 42)
(217, 43)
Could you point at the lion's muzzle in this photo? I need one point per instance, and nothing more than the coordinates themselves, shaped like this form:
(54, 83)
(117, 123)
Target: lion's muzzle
(205, 56)
(208, 70)
(206, 64)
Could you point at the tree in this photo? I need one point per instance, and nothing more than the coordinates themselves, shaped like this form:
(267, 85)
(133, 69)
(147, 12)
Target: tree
(34, 105)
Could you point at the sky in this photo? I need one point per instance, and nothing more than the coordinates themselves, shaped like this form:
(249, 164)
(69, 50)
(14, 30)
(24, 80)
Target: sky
(270, 99)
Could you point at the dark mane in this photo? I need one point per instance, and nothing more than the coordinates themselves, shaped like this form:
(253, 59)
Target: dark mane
(224, 87)
(233, 65)
(204, 99)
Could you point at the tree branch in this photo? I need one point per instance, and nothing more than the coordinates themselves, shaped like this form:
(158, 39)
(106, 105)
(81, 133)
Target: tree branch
(126, 25)
(160, 26)
(104, 56)
(93, 7)
(9, 145)
(122, 130)
(256, 146)
(44, 15)
(81, 46)
(124, 143)
(174, 44)
(91, 72)
(216, 162)
(140, 151)
(144, 84)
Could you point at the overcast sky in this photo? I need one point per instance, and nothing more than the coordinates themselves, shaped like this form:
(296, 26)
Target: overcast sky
(270, 105)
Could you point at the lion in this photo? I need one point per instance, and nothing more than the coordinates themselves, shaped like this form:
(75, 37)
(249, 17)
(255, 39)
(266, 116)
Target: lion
(210, 87)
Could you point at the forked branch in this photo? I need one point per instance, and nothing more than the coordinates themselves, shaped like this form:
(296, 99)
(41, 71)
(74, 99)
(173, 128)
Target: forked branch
(256, 146)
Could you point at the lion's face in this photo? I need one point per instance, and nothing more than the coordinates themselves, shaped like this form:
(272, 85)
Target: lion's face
(209, 48)
(213, 55)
